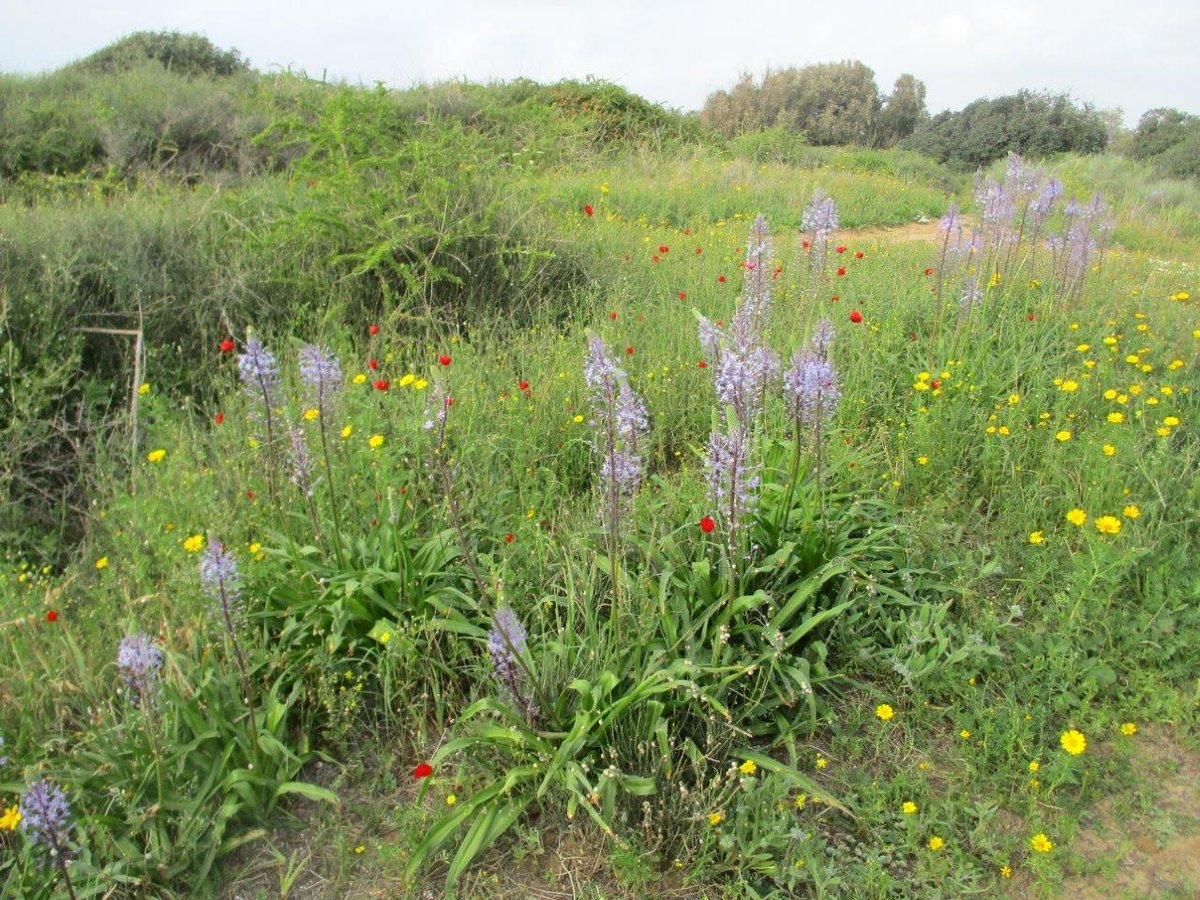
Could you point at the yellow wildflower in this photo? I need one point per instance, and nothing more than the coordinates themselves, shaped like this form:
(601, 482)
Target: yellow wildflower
(1108, 525)
(194, 544)
(406, 380)
(908, 808)
(748, 767)
(884, 712)
(1036, 537)
(360, 378)
(1006, 871)
(11, 819)
(347, 431)
(1063, 436)
(310, 414)
(1040, 843)
(1116, 417)
(1171, 420)
(375, 441)
(1076, 516)
(144, 388)
(936, 843)
(716, 818)
(102, 562)
(1109, 450)
(156, 455)
(1034, 766)
(1128, 729)
(1073, 742)
(451, 799)
(1131, 511)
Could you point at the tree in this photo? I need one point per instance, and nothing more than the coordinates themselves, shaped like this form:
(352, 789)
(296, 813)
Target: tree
(902, 112)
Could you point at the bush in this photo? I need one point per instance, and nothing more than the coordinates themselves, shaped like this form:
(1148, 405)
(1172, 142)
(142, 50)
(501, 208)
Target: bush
(185, 54)
(1027, 123)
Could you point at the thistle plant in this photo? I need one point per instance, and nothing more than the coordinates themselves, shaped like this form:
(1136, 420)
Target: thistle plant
(506, 641)
(619, 421)
(321, 374)
(260, 379)
(46, 823)
(220, 580)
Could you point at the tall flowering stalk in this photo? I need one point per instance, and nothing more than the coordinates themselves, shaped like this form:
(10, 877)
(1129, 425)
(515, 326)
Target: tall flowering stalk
(220, 580)
(506, 642)
(321, 374)
(819, 221)
(619, 422)
(1081, 244)
(46, 823)
(260, 379)
(302, 475)
(745, 367)
(140, 662)
(437, 416)
(811, 393)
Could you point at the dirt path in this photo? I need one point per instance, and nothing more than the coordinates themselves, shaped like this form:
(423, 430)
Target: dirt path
(1148, 844)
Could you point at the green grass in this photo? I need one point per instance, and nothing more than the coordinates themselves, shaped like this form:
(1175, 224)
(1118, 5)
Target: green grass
(900, 569)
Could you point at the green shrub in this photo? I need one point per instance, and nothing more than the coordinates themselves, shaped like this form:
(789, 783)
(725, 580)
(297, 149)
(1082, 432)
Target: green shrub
(1027, 123)
(186, 54)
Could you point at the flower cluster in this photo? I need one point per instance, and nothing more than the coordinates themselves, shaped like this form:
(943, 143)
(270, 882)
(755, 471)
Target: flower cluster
(506, 639)
(620, 422)
(321, 373)
(46, 815)
(139, 661)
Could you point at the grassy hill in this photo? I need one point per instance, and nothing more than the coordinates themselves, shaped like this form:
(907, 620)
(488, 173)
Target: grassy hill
(384, 419)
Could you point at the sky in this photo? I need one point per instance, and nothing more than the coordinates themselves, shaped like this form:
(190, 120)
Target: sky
(1135, 56)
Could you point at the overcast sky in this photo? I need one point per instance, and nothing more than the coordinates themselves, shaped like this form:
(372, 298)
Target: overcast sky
(1135, 55)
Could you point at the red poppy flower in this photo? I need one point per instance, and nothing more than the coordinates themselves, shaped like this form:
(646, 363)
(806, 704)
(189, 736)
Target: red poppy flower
(523, 385)
(720, 279)
(382, 384)
(805, 244)
(52, 616)
(835, 298)
(443, 360)
(855, 316)
(588, 211)
(227, 345)
(841, 270)
(508, 538)
(702, 364)
(929, 271)
(935, 384)
(613, 315)
(1029, 316)
(840, 249)
(683, 295)
(629, 351)
(699, 250)
(664, 249)
(858, 254)
(707, 524)
(372, 364)
(424, 770)
(449, 402)
(655, 258)
(778, 271)
(250, 495)
(219, 418)
(372, 330)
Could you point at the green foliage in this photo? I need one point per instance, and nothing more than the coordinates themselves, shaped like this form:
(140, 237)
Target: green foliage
(184, 53)
(1028, 123)
(828, 103)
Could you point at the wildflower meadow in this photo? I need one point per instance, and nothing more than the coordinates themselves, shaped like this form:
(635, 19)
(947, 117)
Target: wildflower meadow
(477, 503)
